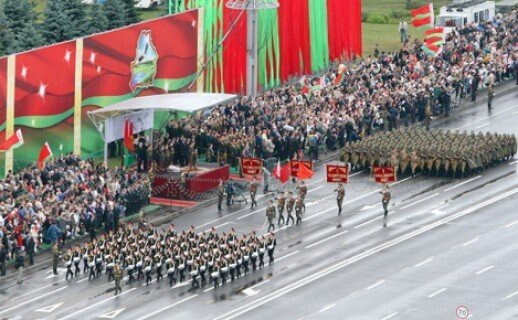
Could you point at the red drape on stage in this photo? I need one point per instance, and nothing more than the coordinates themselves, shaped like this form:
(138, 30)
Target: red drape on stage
(344, 28)
(234, 52)
(294, 38)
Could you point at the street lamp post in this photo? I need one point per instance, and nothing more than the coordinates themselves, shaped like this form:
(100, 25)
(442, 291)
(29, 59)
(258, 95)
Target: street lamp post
(252, 7)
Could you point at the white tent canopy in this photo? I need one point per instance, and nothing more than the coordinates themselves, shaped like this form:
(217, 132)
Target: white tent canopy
(110, 120)
(186, 102)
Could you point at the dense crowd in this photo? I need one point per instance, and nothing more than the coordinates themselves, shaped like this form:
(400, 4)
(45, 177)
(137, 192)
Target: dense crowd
(67, 198)
(379, 92)
(144, 252)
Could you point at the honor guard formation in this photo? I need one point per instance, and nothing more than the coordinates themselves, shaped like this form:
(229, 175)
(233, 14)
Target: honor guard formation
(145, 252)
(435, 151)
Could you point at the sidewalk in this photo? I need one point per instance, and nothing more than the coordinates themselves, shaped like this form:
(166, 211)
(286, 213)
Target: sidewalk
(168, 214)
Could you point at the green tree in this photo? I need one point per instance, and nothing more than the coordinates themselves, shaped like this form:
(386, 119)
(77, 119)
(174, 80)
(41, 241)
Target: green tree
(57, 25)
(132, 15)
(7, 45)
(97, 21)
(76, 12)
(115, 12)
(20, 18)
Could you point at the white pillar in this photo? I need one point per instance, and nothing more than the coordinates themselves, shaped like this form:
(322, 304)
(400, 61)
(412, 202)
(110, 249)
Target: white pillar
(251, 54)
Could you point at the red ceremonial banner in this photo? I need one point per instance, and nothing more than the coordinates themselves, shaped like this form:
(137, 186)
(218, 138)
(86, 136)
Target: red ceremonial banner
(384, 174)
(337, 173)
(251, 166)
(294, 164)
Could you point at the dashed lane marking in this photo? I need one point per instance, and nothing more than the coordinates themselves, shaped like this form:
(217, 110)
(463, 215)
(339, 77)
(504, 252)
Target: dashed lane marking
(485, 270)
(325, 239)
(288, 255)
(390, 316)
(168, 307)
(462, 183)
(33, 299)
(376, 284)
(422, 263)
(438, 292)
(419, 201)
(327, 307)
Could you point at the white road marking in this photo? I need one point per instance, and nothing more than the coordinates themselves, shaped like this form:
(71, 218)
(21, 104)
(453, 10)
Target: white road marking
(516, 161)
(327, 307)
(422, 263)
(221, 225)
(511, 295)
(112, 314)
(232, 314)
(183, 284)
(250, 292)
(318, 214)
(365, 208)
(390, 316)
(437, 293)
(372, 220)
(168, 307)
(315, 189)
(288, 255)
(259, 284)
(70, 315)
(397, 182)
(249, 214)
(82, 280)
(420, 200)
(28, 293)
(484, 118)
(484, 270)
(33, 299)
(482, 126)
(471, 241)
(50, 308)
(207, 290)
(511, 224)
(325, 239)
(376, 284)
(462, 183)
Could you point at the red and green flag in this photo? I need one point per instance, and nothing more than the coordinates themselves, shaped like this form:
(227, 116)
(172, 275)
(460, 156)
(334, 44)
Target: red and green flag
(423, 16)
(12, 142)
(45, 153)
(431, 49)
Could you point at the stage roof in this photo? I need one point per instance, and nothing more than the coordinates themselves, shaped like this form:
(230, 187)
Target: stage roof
(185, 102)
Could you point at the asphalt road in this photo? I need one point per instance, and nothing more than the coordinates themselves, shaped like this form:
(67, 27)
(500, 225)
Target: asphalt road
(449, 243)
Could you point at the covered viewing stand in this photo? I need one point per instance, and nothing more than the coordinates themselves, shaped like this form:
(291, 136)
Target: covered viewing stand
(110, 120)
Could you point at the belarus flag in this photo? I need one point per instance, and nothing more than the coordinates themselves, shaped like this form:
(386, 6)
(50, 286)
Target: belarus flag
(45, 153)
(13, 142)
(282, 173)
(423, 16)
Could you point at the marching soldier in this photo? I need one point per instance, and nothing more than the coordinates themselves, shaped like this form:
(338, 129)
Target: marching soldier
(270, 215)
(272, 243)
(55, 258)
(195, 273)
(253, 192)
(76, 257)
(490, 94)
(67, 258)
(303, 191)
(221, 194)
(340, 197)
(110, 262)
(91, 266)
(299, 206)
(290, 204)
(130, 266)
(117, 275)
(385, 193)
(281, 201)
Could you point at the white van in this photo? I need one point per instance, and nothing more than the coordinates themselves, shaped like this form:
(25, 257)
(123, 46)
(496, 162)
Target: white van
(460, 13)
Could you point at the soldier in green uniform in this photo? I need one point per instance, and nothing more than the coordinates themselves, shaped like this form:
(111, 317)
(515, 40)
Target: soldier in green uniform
(270, 215)
(290, 204)
(490, 95)
(221, 194)
(299, 206)
(55, 258)
(281, 202)
(253, 192)
(67, 258)
(117, 275)
(340, 197)
(385, 194)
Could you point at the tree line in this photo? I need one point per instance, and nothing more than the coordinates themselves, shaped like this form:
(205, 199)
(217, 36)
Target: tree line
(23, 28)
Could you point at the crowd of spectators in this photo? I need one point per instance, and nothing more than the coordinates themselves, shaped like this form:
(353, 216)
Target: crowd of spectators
(379, 92)
(69, 197)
